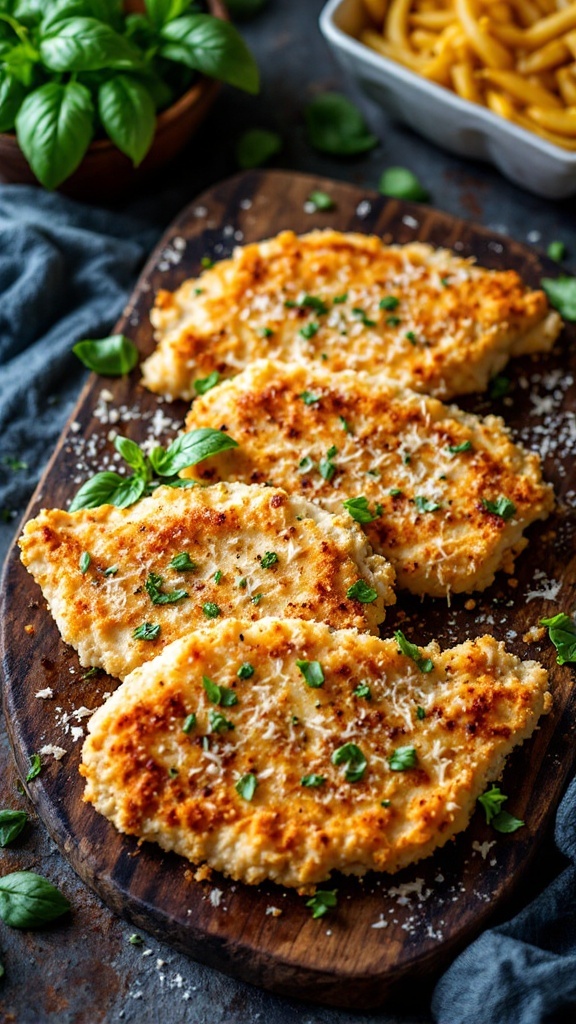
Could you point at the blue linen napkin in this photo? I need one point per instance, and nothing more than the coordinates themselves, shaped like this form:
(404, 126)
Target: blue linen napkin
(65, 273)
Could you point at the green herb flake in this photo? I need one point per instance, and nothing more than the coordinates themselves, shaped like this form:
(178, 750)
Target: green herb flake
(35, 767)
(411, 337)
(402, 759)
(91, 672)
(562, 633)
(426, 504)
(363, 690)
(308, 398)
(147, 631)
(321, 200)
(256, 598)
(502, 507)
(204, 384)
(359, 509)
(136, 940)
(220, 695)
(305, 465)
(393, 321)
(491, 803)
(420, 714)
(395, 492)
(457, 449)
(309, 330)
(85, 559)
(338, 300)
(400, 183)
(211, 610)
(345, 425)
(218, 722)
(11, 825)
(413, 652)
(242, 582)
(406, 458)
(360, 591)
(218, 576)
(246, 786)
(445, 282)
(322, 901)
(199, 291)
(182, 563)
(312, 781)
(269, 559)
(352, 756)
(389, 302)
(326, 467)
(313, 302)
(362, 316)
(153, 587)
(561, 292)
(499, 386)
(312, 672)
(189, 723)
(172, 773)
(206, 262)
(111, 570)
(385, 803)
(246, 670)
(556, 251)
(12, 463)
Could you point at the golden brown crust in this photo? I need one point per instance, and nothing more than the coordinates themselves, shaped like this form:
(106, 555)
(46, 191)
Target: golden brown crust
(402, 437)
(153, 780)
(228, 529)
(455, 326)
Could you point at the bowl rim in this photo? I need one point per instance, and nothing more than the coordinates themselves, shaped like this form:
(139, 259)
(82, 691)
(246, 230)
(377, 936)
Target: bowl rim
(494, 123)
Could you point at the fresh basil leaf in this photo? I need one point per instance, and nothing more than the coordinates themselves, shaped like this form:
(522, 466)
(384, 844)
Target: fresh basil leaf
(213, 47)
(204, 384)
(335, 125)
(110, 357)
(256, 146)
(321, 201)
(182, 563)
(402, 759)
(491, 802)
(131, 453)
(502, 507)
(246, 670)
(243, 9)
(321, 902)
(220, 695)
(61, 10)
(128, 115)
(86, 44)
(27, 900)
(561, 292)
(556, 251)
(11, 825)
(162, 11)
(218, 722)
(189, 449)
(312, 672)
(506, 823)
(54, 129)
(562, 633)
(312, 781)
(35, 767)
(153, 586)
(412, 651)
(147, 631)
(246, 786)
(400, 183)
(12, 93)
(359, 509)
(352, 756)
(109, 488)
(360, 591)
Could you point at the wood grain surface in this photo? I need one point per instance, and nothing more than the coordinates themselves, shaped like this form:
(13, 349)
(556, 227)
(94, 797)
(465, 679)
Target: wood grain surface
(342, 959)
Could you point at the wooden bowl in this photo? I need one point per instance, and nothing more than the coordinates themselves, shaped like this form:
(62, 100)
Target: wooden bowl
(107, 174)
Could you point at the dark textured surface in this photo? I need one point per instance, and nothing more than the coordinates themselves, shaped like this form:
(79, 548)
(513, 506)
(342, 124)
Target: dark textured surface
(85, 970)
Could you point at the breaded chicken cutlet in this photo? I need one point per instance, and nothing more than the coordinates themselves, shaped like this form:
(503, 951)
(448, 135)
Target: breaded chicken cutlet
(431, 320)
(444, 495)
(182, 557)
(282, 750)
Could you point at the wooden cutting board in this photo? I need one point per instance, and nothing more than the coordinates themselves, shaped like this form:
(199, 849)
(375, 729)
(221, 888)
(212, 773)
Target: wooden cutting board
(386, 929)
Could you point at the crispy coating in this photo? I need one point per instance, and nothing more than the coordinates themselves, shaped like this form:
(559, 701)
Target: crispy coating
(454, 327)
(393, 448)
(179, 789)
(227, 531)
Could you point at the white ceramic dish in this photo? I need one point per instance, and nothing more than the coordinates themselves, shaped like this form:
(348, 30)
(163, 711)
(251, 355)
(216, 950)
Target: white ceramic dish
(442, 116)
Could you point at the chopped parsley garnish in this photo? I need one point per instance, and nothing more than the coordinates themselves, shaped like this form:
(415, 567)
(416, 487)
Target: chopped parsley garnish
(312, 781)
(339, 299)
(556, 251)
(218, 576)
(393, 321)
(305, 465)
(361, 314)
(205, 384)
(256, 598)
(360, 591)
(147, 631)
(395, 492)
(363, 690)
(245, 671)
(426, 504)
(322, 901)
(266, 332)
(345, 425)
(420, 714)
(321, 200)
(373, 472)
(219, 694)
(111, 570)
(211, 610)
(246, 786)
(242, 582)
(389, 302)
(502, 507)
(385, 803)
(158, 596)
(182, 563)
(206, 262)
(91, 672)
(313, 302)
(352, 756)
(308, 398)
(562, 633)
(445, 282)
(411, 337)
(406, 458)
(85, 559)
(136, 940)
(499, 386)
(218, 722)
(412, 651)
(332, 451)
(312, 672)
(269, 559)
(359, 509)
(491, 803)
(402, 759)
(11, 462)
(172, 772)
(189, 723)
(199, 291)
(456, 449)
(309, 330)
(326, 467)
(35, 767)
